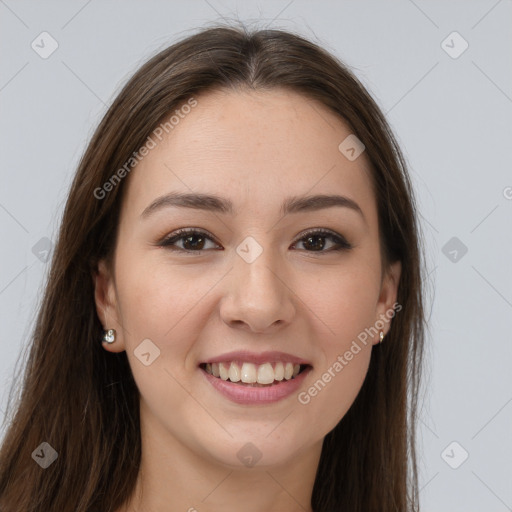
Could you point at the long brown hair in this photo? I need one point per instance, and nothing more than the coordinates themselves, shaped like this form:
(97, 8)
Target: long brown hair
(83, 401)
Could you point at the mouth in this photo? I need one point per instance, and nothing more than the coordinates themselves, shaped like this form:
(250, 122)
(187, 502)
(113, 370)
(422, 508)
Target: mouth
(248, 374)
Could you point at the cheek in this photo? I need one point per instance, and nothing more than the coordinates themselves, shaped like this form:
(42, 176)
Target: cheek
(169, 305)
(345, 300)
(329, 395)
(157, 296)
(159, 305)
(346, 305)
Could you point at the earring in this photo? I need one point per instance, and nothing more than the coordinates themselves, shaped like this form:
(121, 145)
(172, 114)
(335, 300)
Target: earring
(381, 336)
(109, 336)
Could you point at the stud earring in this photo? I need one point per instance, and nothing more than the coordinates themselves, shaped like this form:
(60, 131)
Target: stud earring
(381, 336)
(109, 336)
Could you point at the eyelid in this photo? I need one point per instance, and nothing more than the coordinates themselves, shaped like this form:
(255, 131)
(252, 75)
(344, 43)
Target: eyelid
(341, 241)
(181, 233)
(318, 230)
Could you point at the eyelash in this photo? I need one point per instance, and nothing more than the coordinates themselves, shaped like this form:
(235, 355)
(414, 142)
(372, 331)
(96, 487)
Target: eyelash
(342, 244)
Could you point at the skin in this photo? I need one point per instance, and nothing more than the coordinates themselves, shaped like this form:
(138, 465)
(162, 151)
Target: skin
(255, 148)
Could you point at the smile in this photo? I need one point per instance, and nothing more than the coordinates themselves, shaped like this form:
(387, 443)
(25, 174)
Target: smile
(266, 374)
(251, 384)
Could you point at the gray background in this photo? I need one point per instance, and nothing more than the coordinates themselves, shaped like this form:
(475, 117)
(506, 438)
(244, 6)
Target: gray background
(452, 117)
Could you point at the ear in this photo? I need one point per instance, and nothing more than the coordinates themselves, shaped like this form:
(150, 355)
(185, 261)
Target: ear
(105, 297)
(387, 298)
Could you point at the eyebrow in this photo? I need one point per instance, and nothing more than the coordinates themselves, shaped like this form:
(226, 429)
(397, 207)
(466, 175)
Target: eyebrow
(213, 203)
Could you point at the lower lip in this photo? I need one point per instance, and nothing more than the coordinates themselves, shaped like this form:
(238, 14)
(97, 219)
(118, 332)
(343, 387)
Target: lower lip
(249, 395)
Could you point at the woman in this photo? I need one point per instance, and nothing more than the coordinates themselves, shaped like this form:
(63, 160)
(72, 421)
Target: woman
(234, 317)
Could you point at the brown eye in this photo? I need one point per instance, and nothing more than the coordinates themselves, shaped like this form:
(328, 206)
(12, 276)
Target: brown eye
(315, 241)
(192, 240)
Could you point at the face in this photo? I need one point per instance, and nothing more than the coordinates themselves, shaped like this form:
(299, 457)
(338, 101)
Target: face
(253, 280)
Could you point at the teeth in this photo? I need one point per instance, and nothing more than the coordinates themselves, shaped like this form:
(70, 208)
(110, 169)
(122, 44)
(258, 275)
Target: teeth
(279, 371)
(288, 371)
(234, 372)
(265, 374)
(223, 372)
(250, 373)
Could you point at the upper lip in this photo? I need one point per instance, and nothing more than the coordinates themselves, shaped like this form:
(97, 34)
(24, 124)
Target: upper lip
(257, 357)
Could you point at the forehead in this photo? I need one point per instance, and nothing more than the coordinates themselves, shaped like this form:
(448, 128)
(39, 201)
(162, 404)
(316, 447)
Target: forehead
(252, 147)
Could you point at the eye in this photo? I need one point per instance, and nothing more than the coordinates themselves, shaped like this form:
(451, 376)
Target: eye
(193, 240)
(315, 240)
(196, 240)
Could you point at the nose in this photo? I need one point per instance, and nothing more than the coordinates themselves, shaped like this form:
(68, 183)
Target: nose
(258, 296)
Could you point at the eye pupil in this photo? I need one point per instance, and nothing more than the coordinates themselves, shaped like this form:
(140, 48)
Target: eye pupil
(317, 246)
(189, 239)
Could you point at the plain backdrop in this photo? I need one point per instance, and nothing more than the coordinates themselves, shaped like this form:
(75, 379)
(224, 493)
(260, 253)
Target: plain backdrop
(442, 73)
